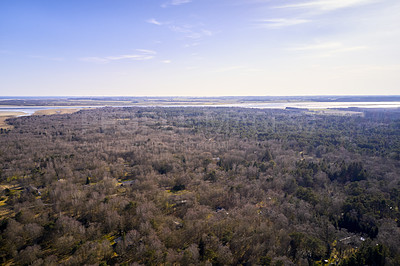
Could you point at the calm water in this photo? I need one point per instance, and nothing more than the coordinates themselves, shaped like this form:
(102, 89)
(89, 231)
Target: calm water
(30, 110)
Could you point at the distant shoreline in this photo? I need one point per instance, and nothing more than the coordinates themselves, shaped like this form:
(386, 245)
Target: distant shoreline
(94, 101)
(43, 110)
(321, 107)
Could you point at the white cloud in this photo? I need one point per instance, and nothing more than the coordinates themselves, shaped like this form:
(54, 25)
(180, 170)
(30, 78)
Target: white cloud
(366, 68)
(154, 21)
(194, 44)
(140, 56)
(280, 22)
(179, 2)
(166, 61)
(319, 46)
(328, 5)
(94, 59)
(199, 34)
(145, 51)
(191, 33)
(184, 29)
(175, 3)
(328, 48)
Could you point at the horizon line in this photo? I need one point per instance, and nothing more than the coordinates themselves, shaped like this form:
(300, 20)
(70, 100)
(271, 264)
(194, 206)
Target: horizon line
(200, 96)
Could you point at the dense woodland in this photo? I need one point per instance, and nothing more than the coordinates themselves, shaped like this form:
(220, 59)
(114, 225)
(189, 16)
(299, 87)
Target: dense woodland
(201, 186)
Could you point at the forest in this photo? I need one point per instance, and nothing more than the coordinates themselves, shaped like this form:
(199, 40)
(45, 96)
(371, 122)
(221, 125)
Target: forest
(200, 186)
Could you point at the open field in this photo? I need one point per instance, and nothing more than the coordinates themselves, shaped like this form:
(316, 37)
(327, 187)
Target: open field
(5, 115)
(335, 112)
(56, 111)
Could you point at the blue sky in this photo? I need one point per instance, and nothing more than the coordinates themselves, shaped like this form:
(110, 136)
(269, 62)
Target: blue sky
(199, 47)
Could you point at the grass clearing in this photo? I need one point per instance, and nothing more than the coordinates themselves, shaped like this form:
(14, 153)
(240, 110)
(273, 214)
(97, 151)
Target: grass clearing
(6, 115)
(57, 111)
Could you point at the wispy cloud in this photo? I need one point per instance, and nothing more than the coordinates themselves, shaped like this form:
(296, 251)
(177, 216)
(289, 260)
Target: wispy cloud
(154, 21)
(327, 5)
(280, 22)
(367, 68)
(179, 2)
(328, 48)
(166, 61)
(190, 32)
(199, 34)
(318, 46)
(139, 56)
(175, 3)
(193, 44)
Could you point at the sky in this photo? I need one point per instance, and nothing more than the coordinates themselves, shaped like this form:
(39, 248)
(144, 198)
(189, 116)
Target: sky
(199, 47)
